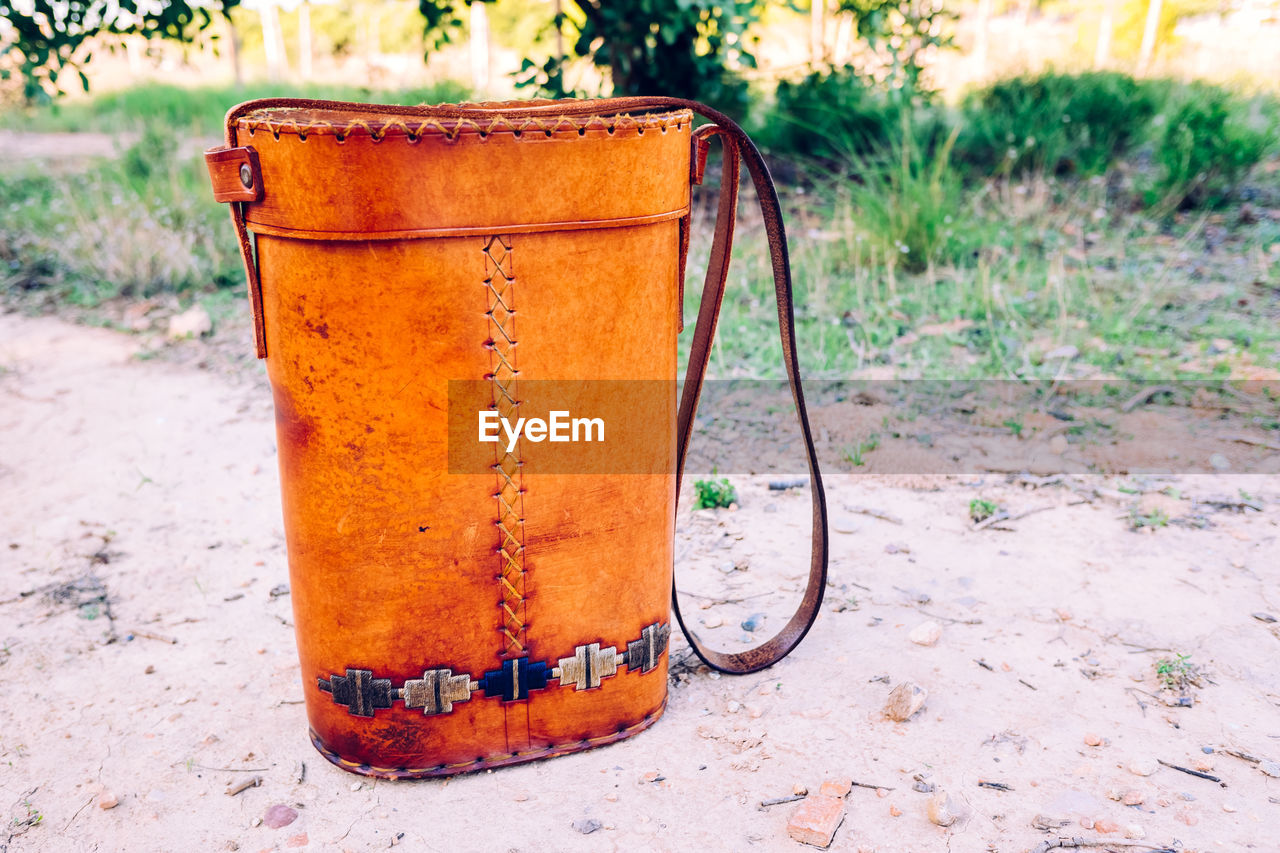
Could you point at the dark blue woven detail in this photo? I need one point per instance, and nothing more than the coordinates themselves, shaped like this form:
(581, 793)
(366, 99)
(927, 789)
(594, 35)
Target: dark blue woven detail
(516, 678)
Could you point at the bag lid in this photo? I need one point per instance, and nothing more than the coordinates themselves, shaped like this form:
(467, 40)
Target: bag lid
(341, 171)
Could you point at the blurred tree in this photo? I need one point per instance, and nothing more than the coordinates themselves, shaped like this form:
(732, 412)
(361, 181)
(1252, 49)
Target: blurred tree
(686, 48)
(42, 40)
(904, 32)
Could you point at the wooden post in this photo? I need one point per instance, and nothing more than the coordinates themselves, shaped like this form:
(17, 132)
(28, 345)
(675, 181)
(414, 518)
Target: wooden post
(304, 40)
(817, 32)
(1149, 34)
(1106, 29)
(479, 46)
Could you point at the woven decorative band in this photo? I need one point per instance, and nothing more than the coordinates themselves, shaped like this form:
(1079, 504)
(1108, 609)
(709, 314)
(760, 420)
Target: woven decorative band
(438, 689)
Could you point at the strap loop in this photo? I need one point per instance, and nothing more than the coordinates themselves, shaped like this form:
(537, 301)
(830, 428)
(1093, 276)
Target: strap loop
(736, 147)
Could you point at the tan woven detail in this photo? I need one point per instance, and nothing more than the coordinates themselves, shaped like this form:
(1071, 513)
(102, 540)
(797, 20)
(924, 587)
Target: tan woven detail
(436, 691)
(499, 281)
(589, 664)
(279, 121)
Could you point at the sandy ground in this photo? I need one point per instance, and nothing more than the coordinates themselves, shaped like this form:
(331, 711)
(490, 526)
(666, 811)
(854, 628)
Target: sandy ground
(148, 653)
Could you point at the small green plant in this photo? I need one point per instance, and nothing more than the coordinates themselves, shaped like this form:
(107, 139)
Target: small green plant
(980, 509)
(1015, 427)
(1153, 518)
(855, 454)
(33, 818)
(1177, 673)
(710, 494)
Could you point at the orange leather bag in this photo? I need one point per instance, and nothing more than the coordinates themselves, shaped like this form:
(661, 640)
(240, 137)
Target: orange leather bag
(449, 622)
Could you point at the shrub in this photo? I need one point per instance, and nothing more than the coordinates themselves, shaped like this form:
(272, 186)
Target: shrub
(1206, 148)
(832, 115)
(1055, 123)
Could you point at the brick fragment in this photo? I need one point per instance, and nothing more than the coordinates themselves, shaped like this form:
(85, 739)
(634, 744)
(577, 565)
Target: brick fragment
(838, 788)
(816, 820)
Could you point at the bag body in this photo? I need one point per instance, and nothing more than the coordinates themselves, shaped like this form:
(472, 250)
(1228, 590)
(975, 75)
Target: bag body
(449, 622)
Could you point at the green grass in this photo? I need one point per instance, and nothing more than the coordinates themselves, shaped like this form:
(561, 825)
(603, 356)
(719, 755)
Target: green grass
(1154, 518)
(143, 223)
(1052, 262)
(198, 110)
(134, 227)
(910, 263)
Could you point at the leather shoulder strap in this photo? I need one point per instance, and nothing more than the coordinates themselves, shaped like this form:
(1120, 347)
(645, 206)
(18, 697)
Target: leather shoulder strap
(737, 147)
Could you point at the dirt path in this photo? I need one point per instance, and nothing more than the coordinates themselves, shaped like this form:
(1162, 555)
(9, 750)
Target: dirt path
(148, 654)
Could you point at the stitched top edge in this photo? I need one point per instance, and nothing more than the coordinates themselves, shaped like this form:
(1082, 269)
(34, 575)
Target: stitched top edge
(303, 123)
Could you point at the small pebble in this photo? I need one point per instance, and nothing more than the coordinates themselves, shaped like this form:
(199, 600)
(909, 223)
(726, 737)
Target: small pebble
(279, 815)
(108, 800)
(611, 797)
(1092, 740)
(1133, 798)
(356, 786)
(149, 670)
(894, 811)
(897, 548)
(1134, 831)
(1105, 826)
(754, 622)
(587, 825)
(799, 790)
(904, 700)
(926, 633)
(1204, 765)
(1229, 808)
(712, 620)
(299, 840)
(943, 809)
(1143, 767)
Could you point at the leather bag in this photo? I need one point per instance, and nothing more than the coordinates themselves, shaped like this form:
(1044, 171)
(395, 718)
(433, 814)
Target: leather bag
(450, 622)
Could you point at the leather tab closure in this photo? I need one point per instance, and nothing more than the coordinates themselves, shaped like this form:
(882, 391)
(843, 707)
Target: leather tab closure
(235, 174)
(701, 147)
